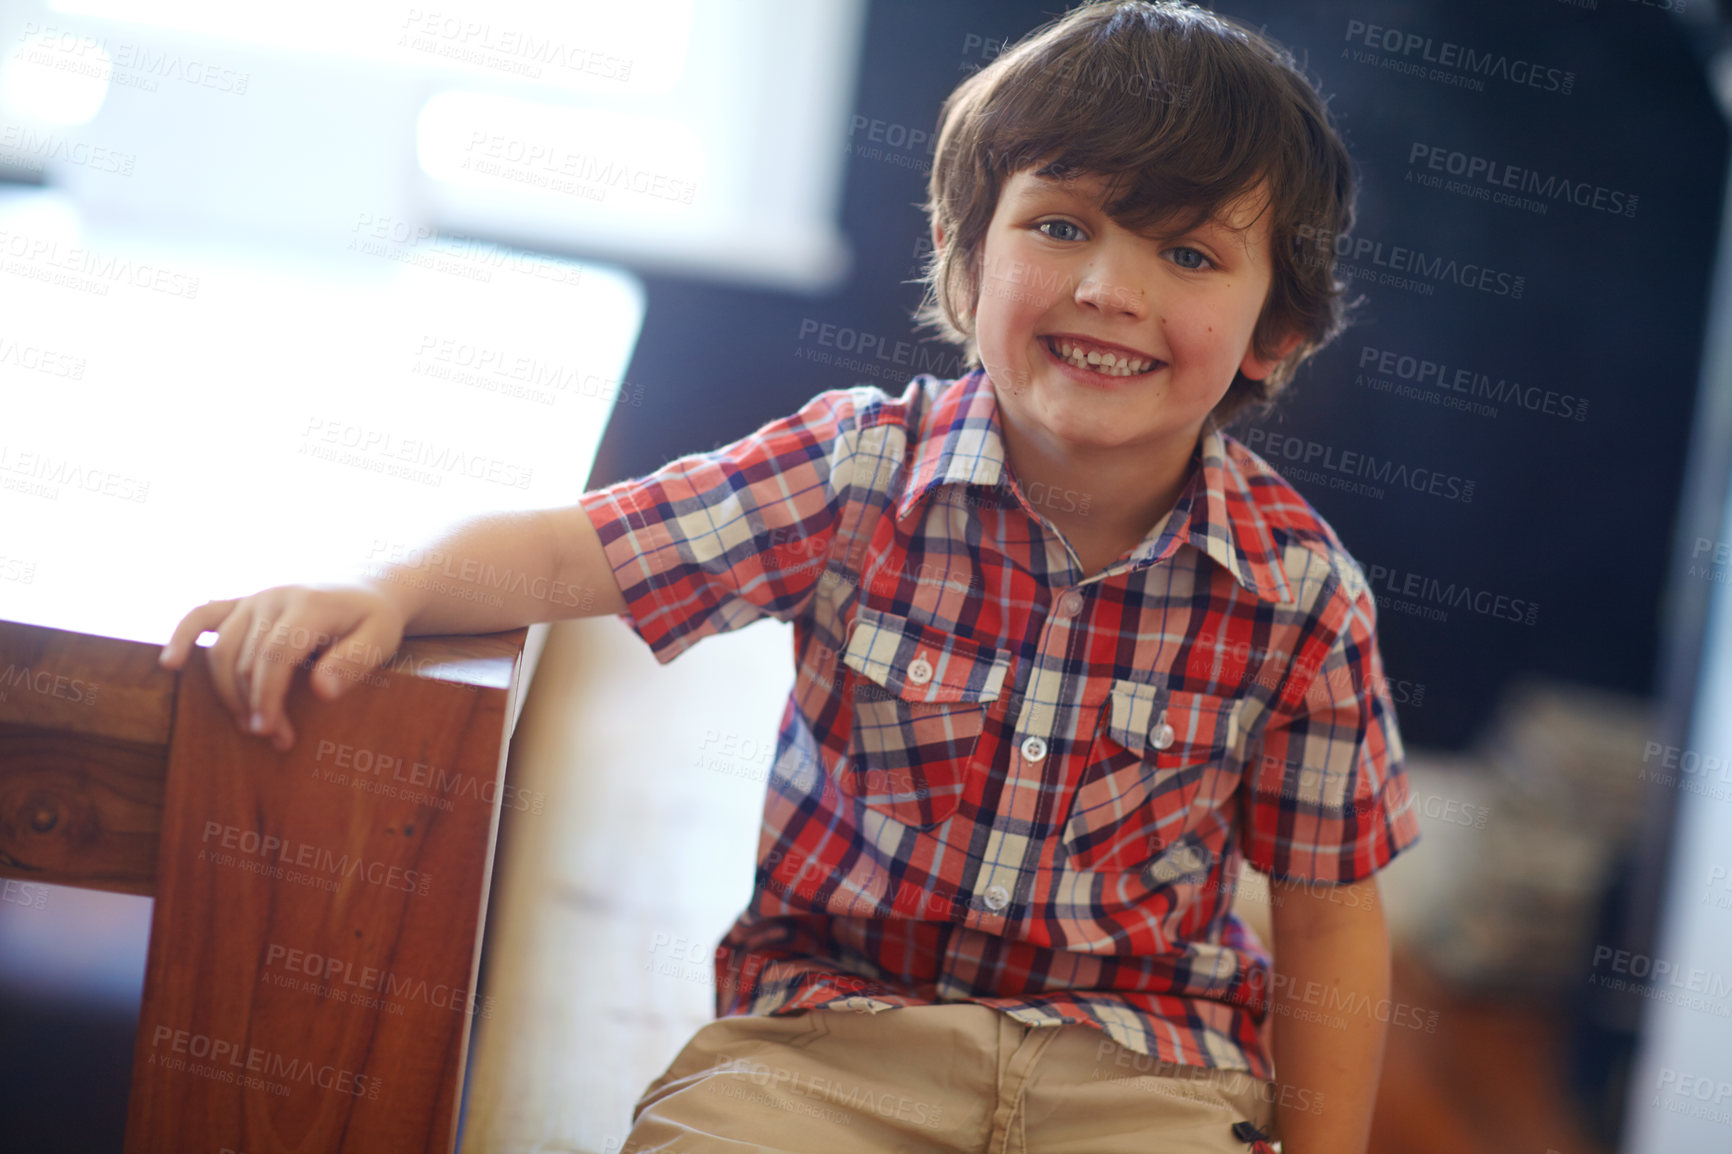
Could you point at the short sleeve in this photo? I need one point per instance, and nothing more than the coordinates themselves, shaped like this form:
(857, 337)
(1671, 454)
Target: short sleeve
(1324, 796)
(715, 541)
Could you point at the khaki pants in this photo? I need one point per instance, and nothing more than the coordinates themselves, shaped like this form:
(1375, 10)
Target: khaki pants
(948, 1078)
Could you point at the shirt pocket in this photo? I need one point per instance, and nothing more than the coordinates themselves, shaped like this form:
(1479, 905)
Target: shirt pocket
(1153, 749)
(920, 699)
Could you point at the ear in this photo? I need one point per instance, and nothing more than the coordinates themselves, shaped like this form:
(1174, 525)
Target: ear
(937, 236)
(1256, 367)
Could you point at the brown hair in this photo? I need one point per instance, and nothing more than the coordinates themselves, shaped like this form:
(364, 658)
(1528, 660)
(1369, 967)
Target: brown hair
(1184, 111)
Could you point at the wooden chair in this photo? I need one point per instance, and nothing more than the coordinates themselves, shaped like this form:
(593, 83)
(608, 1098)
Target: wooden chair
(316, 935)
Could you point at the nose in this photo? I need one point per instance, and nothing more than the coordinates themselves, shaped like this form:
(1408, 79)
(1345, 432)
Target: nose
(1107, 289)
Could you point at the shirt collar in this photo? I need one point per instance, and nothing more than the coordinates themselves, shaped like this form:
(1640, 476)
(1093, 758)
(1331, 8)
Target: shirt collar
(960, 444)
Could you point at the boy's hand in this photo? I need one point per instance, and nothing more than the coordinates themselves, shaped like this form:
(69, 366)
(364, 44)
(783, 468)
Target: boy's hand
(263, 638)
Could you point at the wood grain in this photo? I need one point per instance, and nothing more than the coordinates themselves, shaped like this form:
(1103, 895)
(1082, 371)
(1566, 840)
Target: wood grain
(79, 683)
(77, 810)
(285, 893)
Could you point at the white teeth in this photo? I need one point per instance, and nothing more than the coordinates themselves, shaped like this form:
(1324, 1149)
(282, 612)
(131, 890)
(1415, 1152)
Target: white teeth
(1107, 364)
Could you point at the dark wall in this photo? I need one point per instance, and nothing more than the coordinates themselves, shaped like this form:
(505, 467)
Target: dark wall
(1554, 562)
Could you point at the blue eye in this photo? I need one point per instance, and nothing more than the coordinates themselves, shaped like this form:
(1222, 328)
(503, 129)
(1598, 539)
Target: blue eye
(1182, 255)
(1060, 224)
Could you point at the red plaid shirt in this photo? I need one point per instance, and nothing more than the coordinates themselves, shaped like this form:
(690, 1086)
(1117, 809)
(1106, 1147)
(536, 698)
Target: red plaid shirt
(999, 782)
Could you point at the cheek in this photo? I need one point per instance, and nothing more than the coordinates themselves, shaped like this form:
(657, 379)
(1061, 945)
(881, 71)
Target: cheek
(1208, 331)
(1009, 314)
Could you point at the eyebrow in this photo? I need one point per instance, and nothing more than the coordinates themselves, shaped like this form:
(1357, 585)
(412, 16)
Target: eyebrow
(1039, 185)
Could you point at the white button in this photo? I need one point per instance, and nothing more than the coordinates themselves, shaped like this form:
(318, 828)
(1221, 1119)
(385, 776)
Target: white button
(1164, 734)
(919, 671)
(1070, 603)
(1034, 749)
(997, 897)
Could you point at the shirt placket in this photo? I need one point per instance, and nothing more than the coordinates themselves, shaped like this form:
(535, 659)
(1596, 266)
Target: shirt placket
(1042, 725)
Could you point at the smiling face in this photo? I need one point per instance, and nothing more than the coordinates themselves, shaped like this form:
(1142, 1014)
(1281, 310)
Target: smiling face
(1097, 337)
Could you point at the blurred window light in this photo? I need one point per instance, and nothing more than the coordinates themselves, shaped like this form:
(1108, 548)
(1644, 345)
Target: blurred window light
(53, 78)
(502, 144)
(586, 44)
(692, 137)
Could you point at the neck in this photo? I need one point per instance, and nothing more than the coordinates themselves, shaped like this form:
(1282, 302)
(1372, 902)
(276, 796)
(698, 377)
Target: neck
(1102, 494)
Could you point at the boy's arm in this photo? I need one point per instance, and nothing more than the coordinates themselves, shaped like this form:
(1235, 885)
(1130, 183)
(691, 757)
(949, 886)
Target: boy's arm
(1325, 806)
(488, 573)
(705, 530)
(1331, 952)
(540, 565)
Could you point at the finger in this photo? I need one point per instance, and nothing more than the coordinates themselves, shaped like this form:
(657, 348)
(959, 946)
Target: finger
(283, 737)
(352, 656)
(220, 657)
(288, 647)
(233, 643)
(246, 663)
(202, 620)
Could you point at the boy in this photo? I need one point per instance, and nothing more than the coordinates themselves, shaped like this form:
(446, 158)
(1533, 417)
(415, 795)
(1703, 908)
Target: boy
(1067, 656)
